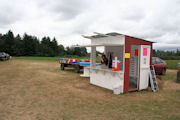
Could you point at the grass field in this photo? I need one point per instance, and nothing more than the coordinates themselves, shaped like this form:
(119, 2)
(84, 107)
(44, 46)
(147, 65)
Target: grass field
(171, 64)
(39, 90)
(47, 58)
(37, 58)
(51, 58)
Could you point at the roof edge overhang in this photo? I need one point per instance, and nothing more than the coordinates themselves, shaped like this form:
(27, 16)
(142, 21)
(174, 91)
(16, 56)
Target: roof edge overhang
(101, 35)
(98, 45)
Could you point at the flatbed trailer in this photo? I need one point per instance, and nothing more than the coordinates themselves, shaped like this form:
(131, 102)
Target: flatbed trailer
(77, 64)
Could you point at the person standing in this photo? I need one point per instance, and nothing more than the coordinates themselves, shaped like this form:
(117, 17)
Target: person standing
(104, 60)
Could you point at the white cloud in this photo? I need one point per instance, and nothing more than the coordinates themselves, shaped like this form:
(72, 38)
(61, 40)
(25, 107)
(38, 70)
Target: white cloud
(67, 20)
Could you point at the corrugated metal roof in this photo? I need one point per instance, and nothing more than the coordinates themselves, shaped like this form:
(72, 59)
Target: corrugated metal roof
(100, 35)
(105, 35)
(113, 34)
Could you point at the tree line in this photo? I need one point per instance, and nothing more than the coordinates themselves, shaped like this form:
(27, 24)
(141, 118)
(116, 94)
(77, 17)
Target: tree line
(167, 55)
(29, 45)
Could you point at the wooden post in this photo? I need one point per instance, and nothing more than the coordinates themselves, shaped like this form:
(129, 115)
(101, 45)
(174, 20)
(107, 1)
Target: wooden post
(178, 73)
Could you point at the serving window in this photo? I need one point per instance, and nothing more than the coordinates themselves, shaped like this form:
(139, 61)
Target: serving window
(114, 56)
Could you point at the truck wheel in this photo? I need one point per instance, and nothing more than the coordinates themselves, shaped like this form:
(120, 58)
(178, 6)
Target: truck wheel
(62, 66)
(163, 72)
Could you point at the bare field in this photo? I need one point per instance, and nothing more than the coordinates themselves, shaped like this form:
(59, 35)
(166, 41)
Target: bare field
(39, 90)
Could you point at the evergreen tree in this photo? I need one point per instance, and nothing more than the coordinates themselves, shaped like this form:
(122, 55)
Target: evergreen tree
(46, 49)
(54, 46)
(9, 42)
(61, 50)
(29, 45)
(18, 46)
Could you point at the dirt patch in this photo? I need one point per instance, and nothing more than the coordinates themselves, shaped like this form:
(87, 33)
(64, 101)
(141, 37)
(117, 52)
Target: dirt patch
(171, 71)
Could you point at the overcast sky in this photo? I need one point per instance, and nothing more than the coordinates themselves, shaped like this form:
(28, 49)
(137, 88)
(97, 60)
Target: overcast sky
(67, 20)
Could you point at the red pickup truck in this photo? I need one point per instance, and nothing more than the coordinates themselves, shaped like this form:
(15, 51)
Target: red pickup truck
(160, 66)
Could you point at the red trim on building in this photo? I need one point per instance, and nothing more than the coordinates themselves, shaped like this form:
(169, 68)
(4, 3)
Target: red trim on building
(128, 42)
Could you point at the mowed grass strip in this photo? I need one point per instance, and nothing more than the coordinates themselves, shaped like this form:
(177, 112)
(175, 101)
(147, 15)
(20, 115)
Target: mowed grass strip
(172, 64)
(170, 75)
(40, 90)
(37, 58)
(47, 58)
(52, 58)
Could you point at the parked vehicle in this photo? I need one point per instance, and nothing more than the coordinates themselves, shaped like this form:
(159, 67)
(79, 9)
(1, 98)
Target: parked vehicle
(2, 56)
(160, 66)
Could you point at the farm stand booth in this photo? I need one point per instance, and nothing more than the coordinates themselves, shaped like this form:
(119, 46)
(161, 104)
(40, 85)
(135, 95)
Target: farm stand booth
(129, 61)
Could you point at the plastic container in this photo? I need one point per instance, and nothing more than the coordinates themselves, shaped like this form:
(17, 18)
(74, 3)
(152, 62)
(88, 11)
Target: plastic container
(115, 65)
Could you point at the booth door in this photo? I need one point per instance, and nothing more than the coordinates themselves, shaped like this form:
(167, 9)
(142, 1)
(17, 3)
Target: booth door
(144, 67)
(134, 68)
